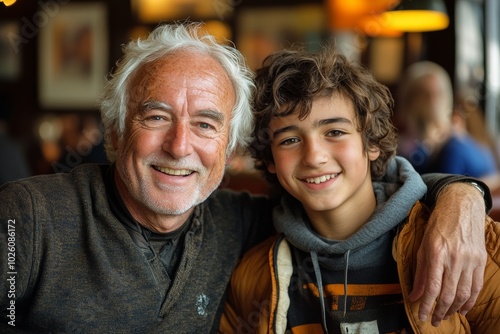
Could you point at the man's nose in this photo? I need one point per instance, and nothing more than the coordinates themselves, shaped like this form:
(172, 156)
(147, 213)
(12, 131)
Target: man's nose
(178, 141)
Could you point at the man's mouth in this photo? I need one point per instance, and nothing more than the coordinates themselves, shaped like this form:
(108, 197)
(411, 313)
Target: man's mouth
(320, 179)
(174, 172)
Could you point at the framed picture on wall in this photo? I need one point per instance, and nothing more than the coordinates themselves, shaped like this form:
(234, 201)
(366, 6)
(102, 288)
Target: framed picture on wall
(10, 52)
(73, 57)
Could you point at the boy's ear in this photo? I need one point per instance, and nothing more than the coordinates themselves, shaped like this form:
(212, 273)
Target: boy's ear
(271, 168)
(373, 153)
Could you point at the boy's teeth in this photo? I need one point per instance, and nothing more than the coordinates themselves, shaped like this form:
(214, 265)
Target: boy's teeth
(170, 171)
(320, 179)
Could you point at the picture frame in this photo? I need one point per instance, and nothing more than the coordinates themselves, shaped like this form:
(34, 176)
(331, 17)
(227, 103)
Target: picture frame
(73, 57)
(10, 53)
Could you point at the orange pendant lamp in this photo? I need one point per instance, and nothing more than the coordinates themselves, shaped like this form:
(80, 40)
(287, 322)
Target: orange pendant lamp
(388, 17)
(8, 2)
(417, 16)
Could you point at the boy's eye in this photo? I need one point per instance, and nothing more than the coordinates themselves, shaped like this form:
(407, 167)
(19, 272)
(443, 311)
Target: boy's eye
(289, 141)
(335, 133)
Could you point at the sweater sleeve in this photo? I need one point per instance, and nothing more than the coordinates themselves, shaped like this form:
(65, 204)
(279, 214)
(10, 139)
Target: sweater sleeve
(436, 182)
(17, 251)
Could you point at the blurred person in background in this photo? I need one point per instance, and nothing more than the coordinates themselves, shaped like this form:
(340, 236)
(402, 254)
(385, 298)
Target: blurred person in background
(430, 140)
(469, 123)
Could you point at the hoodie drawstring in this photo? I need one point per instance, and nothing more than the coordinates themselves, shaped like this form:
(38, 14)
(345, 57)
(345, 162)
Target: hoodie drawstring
(346, 259)
(317, 273)
(319, 282)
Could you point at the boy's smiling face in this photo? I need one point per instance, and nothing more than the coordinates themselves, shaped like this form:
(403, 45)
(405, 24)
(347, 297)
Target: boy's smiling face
(320, 160)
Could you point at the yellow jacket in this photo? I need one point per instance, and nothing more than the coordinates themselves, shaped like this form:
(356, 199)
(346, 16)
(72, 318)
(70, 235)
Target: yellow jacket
(254, 304)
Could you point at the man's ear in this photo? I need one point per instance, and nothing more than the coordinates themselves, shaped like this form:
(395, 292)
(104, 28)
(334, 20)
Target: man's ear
(229, 158)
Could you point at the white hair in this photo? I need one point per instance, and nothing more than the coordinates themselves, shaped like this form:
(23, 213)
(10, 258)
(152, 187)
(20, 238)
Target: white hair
(167, 39)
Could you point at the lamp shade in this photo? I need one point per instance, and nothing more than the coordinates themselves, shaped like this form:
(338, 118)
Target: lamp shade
(8, 2)
(417, 16)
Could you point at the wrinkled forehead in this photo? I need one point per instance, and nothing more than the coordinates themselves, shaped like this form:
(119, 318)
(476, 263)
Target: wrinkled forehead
(187, 63)
(193, 71)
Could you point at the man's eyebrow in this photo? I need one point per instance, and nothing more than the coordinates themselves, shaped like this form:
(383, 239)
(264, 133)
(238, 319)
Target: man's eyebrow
(213, 114)
(316, 124)
(153, 104)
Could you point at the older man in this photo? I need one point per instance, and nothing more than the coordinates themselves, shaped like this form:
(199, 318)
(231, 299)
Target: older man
(145, 244)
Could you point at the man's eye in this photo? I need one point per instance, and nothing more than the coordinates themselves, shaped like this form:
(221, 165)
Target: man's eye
(206, 126)
(154, 118)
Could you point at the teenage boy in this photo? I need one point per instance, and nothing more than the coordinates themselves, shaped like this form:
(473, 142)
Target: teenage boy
(344, 258)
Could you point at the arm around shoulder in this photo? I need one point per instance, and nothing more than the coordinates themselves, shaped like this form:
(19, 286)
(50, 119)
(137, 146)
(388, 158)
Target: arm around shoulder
(436, 182)
(452, 256)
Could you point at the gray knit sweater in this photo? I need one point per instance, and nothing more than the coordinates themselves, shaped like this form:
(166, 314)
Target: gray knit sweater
(75, 268)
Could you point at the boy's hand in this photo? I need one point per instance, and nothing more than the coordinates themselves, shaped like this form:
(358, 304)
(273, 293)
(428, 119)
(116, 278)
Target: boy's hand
(452, 257)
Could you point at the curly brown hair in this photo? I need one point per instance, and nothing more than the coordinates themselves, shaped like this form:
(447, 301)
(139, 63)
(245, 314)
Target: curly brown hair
(290, 80)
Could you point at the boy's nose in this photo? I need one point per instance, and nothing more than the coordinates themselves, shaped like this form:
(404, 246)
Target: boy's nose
(314, 154)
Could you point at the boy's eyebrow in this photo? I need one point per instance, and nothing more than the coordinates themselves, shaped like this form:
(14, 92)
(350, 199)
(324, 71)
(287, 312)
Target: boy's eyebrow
(316, 124)
(284, 129)
(332, 121)
(153, 104)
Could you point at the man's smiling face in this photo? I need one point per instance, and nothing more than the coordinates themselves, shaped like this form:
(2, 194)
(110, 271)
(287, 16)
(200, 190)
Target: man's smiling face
(173, 152)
